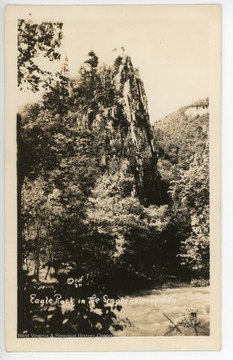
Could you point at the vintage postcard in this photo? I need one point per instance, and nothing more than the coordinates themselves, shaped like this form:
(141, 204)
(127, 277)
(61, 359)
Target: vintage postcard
(112, 158)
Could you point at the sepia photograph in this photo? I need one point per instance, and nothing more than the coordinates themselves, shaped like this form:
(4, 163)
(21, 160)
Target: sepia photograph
(114, 141)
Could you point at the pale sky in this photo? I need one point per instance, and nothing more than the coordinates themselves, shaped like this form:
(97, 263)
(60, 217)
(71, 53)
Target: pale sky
(172, 55)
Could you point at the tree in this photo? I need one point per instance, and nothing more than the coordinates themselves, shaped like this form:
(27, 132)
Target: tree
(36, 40)
(57, 99)
(39, 133)
(88, 74)
(138, 231)
(190, 195)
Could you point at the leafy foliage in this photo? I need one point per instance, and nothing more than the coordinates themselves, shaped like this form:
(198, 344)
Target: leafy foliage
(140, 246)
(187, 172)
(35, 40)
(193, 197)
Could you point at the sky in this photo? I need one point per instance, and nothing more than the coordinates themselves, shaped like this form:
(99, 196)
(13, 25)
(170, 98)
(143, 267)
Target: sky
(171, 53)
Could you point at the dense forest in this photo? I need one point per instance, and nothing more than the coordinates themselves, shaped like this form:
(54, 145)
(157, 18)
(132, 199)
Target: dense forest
(108, 201)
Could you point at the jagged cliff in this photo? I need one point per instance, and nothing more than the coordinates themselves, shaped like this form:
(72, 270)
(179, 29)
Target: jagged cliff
(123, 127)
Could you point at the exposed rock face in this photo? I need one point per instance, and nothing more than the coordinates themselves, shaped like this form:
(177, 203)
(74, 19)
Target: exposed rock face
(197, 110)
(129, 84)
(122, 126)
(128, 132)
(144, 162)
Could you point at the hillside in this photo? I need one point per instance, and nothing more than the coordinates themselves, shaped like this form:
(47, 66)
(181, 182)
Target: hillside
(180, 136)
